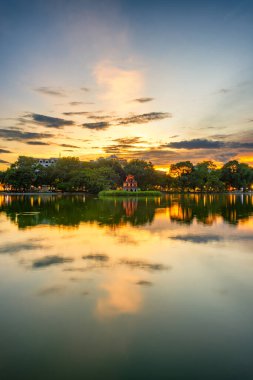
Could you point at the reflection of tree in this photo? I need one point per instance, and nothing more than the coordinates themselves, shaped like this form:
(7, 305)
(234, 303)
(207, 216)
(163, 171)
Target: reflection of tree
(28, 211)
(206, 208)
(72, 210)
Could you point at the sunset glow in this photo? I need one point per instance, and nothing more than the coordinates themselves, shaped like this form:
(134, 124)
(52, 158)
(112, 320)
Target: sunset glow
(91, 79)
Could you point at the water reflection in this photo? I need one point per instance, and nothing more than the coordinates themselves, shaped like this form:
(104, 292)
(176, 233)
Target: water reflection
(157, 277)
(26, 211)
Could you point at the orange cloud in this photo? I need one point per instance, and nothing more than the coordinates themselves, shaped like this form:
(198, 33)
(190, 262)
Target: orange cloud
(118, 85)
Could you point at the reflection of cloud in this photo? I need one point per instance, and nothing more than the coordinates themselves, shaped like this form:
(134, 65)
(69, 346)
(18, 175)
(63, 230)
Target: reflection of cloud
(126, 239)
(12, 248)
(145, 265)
(96, 257)
(50, 260)
(144, 283)
(76, 269)
(197, 238)
(121, 298)
(210, 238)
(85, 293)
(51, 290)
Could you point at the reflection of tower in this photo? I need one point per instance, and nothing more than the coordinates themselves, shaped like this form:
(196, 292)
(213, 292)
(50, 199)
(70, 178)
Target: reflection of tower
(130, 184)
(130, 206)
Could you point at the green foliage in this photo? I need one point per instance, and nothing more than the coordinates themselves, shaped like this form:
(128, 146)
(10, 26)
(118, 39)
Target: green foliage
(122, 193)
(143, 172)
(69, 174)
(236, 175)
(21, 175)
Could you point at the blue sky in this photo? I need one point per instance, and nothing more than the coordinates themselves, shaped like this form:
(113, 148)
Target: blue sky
(159, 80)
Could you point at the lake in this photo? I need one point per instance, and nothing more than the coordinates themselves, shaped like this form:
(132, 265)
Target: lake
(158, 288)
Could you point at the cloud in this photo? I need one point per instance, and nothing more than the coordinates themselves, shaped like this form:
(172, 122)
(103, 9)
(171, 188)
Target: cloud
(50, 91)
(143, 118)
(37, 143)
(102, 125)
(99, 117)
(96, 257)
(129, 140)
(223, 91)
(156, 155)
(195, 144)
(18, 135)
(118, 84)
(4, 162)
(125, 144)
(50, 122)
(41, 143)
(75, 103)
(51, 260)
(5, 151)
(143, 100)
(76, 113)
(208, 144)
(85, 89)
(69, 146)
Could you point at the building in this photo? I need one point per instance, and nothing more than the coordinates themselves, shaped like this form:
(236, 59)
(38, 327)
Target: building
(130, 184)
(47, 161)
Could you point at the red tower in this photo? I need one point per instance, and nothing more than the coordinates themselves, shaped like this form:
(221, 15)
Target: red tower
(130, 184)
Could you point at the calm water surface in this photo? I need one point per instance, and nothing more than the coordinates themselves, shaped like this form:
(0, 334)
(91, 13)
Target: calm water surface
(126, 289)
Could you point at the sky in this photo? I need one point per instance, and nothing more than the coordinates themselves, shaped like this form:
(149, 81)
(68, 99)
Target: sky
(164, 81)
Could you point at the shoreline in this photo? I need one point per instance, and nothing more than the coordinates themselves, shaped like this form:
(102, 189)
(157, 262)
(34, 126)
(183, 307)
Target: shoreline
(131, 194)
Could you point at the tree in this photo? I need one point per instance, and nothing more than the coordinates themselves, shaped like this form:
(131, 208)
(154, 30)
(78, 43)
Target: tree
(143, 172)
(21, 175)
(200, 175)
(236, 175)
(181, 172)
(214, 183)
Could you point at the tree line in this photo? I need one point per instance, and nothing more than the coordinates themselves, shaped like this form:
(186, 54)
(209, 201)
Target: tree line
(70, 174)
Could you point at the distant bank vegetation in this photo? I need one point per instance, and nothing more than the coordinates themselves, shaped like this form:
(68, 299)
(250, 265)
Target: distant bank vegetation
(69, 174)
(120, 193)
